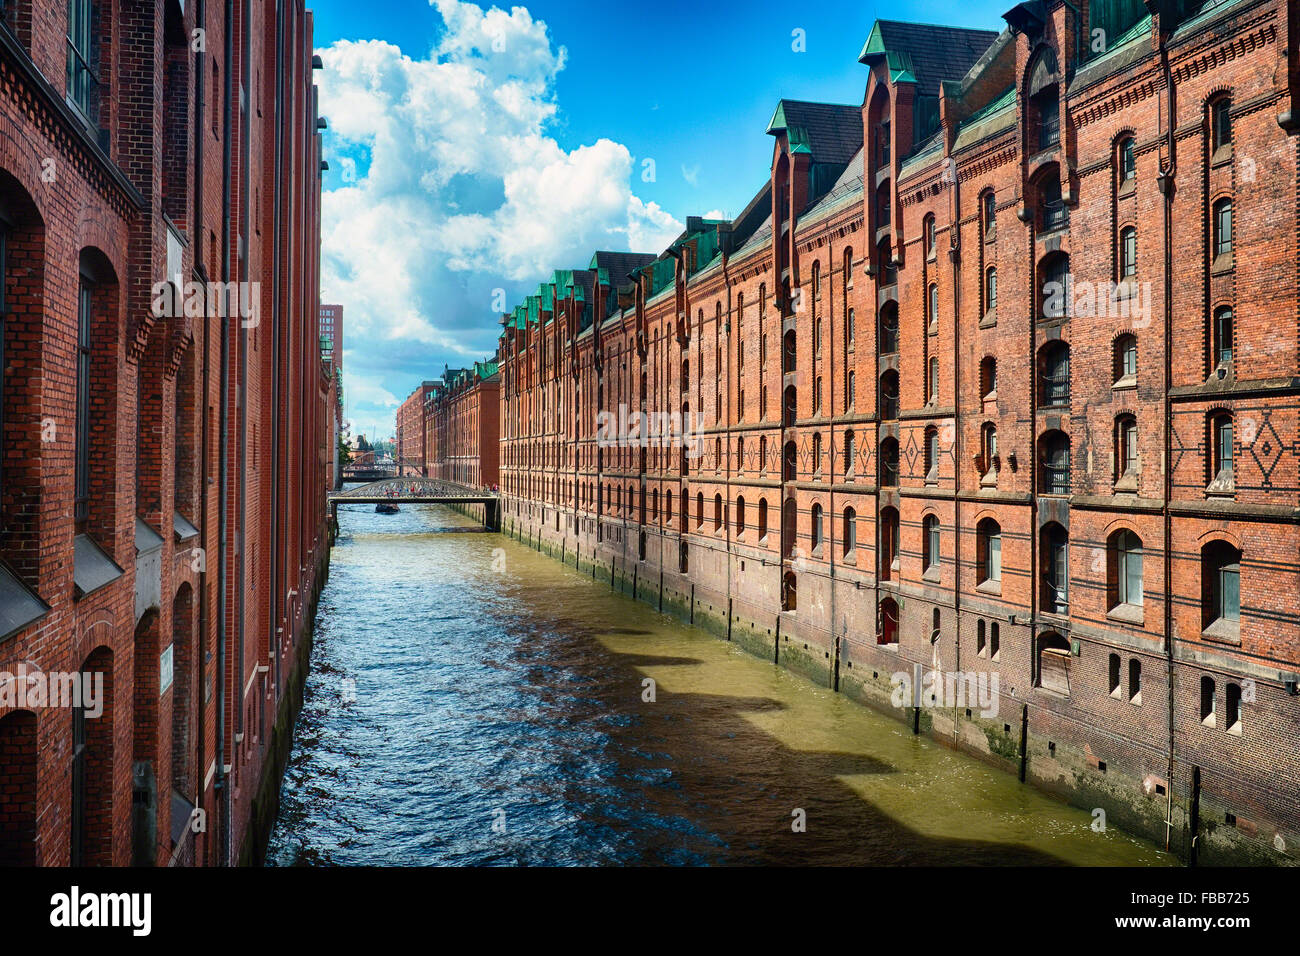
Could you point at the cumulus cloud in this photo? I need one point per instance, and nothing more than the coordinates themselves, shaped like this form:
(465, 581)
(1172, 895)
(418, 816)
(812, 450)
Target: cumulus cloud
(455, 188)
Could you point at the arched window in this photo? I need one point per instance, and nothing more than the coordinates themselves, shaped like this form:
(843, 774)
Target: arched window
(762, 518)
(1221, 452)
(1223, 232)
(930, 542)
(1220, 125)
(789, 462)
(990, 290)
(885, 254)
(988, 543)
(740, 515)
(850, 452)
(1054, 663)
(1208, 717)
(1126, 359)
(789, 526)
(889, 396)
(699, 509)
(717, 512)
(887, 632)
(989, 453)
(1056, 374)
(988, 213)
(817, 453)
(932, 304)
(1125, 569)
(889, 328)
(1056, 569)
(668, 505)
(1126, 161)
(1220, 588)
(789, 351)
(1043, 95)
(849, 390)
(847, 269)
(1222, 339)
(791, 406)
(1127, 462)
(848, 328)
(888, 543)
(1054, 458)
(889, 463)
(931, 454)
(789, 592)
(816, 529)
(928, 234)
(1127, 252)
(850, 532)
(934, 380)
(762, 454)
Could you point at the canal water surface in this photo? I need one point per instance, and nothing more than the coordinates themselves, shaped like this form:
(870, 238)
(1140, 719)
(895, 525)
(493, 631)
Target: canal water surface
(473, 702)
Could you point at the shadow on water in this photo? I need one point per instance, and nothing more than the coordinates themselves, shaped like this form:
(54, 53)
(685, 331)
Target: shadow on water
(457, 713)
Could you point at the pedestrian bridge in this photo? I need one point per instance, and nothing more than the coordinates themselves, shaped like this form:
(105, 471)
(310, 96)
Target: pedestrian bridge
(419, 491)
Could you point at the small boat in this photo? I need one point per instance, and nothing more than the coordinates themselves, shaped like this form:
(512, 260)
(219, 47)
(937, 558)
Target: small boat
(385, 509)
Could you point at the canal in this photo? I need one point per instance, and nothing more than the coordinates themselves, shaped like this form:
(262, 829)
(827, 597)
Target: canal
(473, 702)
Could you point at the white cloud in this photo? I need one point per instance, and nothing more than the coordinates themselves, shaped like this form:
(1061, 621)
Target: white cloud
(455, 189)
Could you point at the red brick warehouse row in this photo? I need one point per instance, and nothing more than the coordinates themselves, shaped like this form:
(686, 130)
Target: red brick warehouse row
(997, 370)
(165, 420)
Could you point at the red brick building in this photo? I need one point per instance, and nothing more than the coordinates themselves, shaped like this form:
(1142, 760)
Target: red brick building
(410, 430)
(462, 427)
(996, 374)
(165, 409)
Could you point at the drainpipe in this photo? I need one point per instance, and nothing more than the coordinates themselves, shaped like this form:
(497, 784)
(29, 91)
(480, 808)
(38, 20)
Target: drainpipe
(830, 431)
(954, 257)
(200, 111)
(1165, 181)
(222, 503)
(245, 233)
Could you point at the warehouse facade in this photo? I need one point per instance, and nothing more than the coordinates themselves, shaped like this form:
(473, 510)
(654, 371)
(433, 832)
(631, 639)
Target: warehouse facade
(165, 423)
(997, 374)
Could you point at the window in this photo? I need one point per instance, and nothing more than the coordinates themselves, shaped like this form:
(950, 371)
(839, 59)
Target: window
(889, 463)
(994, 641)
(1049, 119)
(849, 390)
(1055, 459)
(930, 542)
(1053, 213)
(1232, 713)
(1113, 676)
(929, 235)
(989, 453)
(699, 509)
(817, 453)
(1125, 569)
(1056, 374)
(931, 454)
(717, 512)
(1207, 701)
(816, 529)
(1222, 230)
(1127, 161)
(990, 289)
(762, 518)
(934, 380)
(1056, 569)
(988, 540)
(1126, 359)
(850, 452)
(933, 303)
(1056, 286)
(83, 81)
(848, 328)
(988, 216)
(889, 328)
(740, 516)
(1054, 663)
(988, 378)
(1223, 337)
(981, 642)
(1135, 681)
(888, 543)
(1127, 252)
(81, 509)
(885, 255)
(1126, 447)
(850, 533)
(1221, 456)
(889, 396)
(1221, 588)
(740, 454)
(1220, 124)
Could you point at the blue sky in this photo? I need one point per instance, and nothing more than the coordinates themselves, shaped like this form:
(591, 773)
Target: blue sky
(472, 149)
